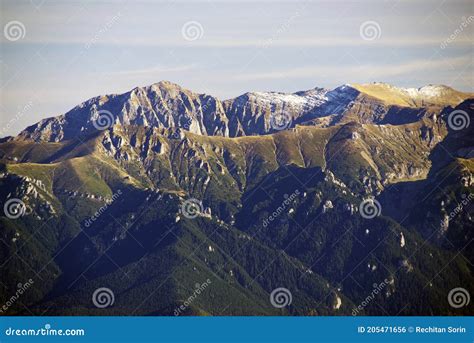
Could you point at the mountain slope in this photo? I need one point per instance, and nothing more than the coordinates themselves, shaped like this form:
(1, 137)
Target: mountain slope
(110, 208)
(432, 95)
(167, 105)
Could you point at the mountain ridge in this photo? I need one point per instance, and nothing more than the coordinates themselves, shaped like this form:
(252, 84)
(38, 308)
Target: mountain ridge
(107, 207)
(168, 105)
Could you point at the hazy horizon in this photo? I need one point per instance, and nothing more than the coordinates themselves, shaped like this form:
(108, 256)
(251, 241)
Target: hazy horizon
(69, 52)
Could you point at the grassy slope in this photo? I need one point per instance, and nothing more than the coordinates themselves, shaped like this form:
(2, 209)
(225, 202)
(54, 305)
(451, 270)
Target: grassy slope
(246, 160)
(392, 96)
(382, 152)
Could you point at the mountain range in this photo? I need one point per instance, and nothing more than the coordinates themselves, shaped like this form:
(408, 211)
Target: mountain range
(167, 105)
(355, 200)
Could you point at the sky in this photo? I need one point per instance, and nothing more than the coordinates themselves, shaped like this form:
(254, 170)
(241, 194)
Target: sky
(56, 54)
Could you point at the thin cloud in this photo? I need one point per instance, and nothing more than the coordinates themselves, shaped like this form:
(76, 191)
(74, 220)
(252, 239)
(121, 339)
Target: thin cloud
(359, 71)
(153, 70)
(265, 42)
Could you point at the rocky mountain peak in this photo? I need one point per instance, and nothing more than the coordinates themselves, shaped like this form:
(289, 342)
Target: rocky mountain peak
(168, 105)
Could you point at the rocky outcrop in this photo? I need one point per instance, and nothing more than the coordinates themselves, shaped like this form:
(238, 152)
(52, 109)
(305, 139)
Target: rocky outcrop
(165, 105)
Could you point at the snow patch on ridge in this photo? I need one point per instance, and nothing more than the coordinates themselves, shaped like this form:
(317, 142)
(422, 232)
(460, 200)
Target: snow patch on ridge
(301, 100)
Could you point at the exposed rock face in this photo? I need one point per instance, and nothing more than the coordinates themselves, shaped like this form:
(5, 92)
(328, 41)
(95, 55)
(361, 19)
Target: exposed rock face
(166, 145)
(337, 302)
(402, 240)
(167, 105)
(27, 194)
(252, 113)
(327, 206)
(161, 105)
